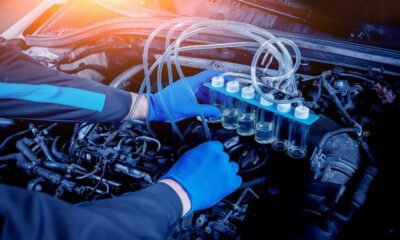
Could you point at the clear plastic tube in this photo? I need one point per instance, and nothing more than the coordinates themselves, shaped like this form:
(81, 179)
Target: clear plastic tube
(273, 51)
(212, 26)
(147, 74)
(160, 61)
(286, 75)
(275, 47)
(158, 64)
(191, 33)
(167, 58)
(182, 76)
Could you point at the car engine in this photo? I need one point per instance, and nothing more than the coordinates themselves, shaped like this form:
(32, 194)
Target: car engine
(350, 88)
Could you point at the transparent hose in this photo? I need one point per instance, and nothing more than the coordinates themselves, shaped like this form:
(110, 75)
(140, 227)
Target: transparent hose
(288, 71)
(288, 75)
(268, 46)
(273, 50)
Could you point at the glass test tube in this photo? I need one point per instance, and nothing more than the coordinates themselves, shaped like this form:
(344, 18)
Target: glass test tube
(282, 129)
(231, 107)
(246, 117)
(265, 123)
(299, 134)
(216, 98)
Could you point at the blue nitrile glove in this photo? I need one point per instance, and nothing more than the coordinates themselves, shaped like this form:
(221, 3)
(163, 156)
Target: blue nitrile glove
(183, 104)
(206, 174)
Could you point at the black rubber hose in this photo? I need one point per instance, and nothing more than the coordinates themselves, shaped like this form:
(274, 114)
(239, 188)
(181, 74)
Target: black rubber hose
(59, 155)
(26, 151)
(356, 128)
(82, 66)
(56, 166)
(5, 122)
(364, 145)
(360, 196)
(10, 157)
(332, 93)
(365, 78)
(46, 151)
(255, 182)
(74, 140)
(353, 75)
(11, 138)
(88, 174)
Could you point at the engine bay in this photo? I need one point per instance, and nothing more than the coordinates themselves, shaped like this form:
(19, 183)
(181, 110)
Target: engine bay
(351, 90)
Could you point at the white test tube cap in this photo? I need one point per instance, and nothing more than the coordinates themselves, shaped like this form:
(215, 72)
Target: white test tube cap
(218, 81)
(265, 102)
(232, 87)
(301, 112)
(284, 107)
(248, 92)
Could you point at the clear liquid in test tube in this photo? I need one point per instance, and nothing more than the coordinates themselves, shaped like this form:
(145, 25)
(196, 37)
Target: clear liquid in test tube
(216, 98)
(246, 119)
(299, 134)
(282, 129)
(265, 123)
(231, 107)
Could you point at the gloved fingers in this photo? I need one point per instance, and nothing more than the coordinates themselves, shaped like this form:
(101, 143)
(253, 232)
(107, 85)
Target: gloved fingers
(216, 146)
(213, 150)
(207, 110)
(237, 181)
(224, 157)
(200, 91)
(206, 75)
(202, 94)
(234, 167)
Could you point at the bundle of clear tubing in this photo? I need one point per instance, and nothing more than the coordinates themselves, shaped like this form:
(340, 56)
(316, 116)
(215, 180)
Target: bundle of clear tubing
(277, 130)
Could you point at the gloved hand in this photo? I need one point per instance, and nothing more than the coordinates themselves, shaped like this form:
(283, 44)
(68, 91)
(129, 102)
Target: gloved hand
(179, 100)
(206, 174)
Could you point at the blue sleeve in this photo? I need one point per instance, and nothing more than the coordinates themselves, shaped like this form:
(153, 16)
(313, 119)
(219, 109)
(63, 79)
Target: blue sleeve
(29, 90)
(151, 213)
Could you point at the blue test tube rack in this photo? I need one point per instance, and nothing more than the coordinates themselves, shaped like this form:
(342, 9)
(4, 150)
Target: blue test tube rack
(256, 102)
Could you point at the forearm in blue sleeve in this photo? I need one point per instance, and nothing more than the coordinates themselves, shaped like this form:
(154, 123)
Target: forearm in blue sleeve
(147, 214)
(29, 90)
